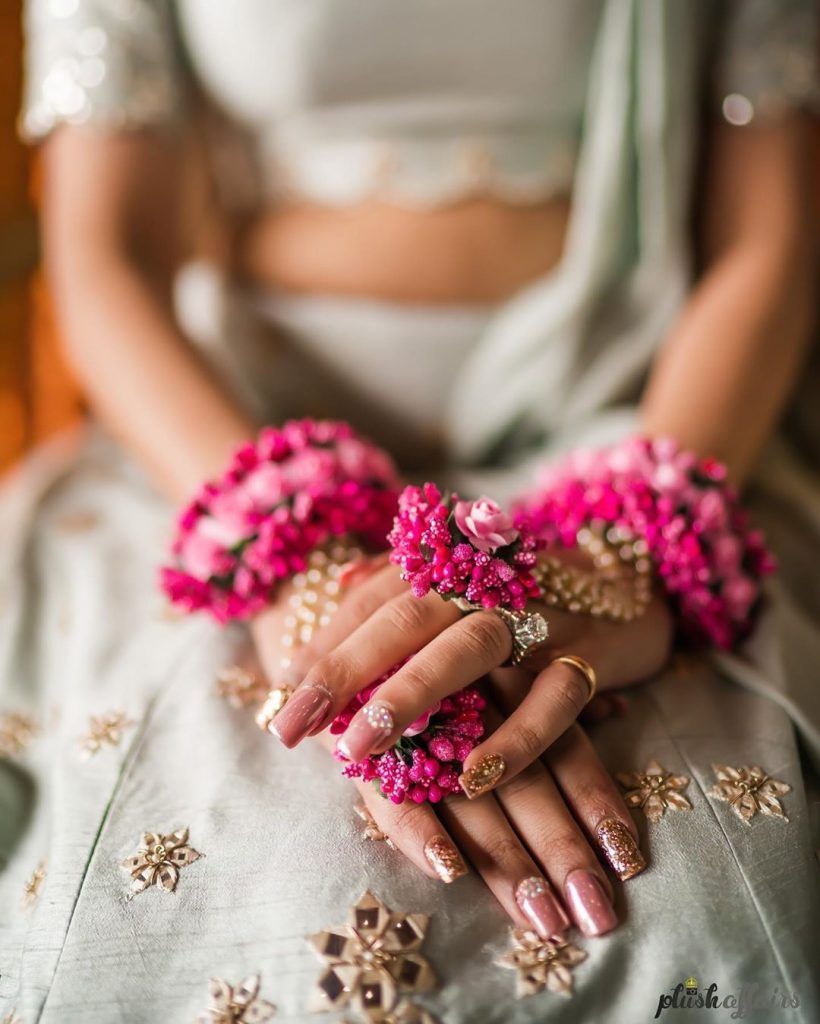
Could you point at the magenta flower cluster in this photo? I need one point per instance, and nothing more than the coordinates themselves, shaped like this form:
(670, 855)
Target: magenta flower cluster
(709, 561)
(470, 550)
(426, 762)
(281, 497)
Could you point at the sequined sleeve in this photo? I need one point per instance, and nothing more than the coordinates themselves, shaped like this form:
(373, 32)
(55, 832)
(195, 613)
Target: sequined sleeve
(109, 62)
(767, 59)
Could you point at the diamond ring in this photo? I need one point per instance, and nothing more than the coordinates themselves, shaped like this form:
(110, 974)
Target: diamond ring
(527, 629)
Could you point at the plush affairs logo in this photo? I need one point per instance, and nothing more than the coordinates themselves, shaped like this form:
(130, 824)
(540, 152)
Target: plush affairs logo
(750, 999)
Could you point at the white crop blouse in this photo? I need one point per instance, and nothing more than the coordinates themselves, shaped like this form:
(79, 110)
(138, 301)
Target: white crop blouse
(414, 101)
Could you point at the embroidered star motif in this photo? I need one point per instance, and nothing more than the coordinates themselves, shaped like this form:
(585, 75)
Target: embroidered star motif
(748, 790)
(236, 1005)
(654, 790)
(104, 731)
(16, 732)
(239, 687)
(371, 830)
(541, 963)
(158, 860)
(33, 884)
(372, 960)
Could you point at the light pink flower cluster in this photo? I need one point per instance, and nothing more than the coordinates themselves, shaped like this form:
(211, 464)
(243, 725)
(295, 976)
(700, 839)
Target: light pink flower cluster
(280, 498)
(708, 560)
(462, 549)
(426, 762)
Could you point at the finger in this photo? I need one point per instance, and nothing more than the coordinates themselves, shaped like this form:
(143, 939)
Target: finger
(487, 838)
(418, 833)
(456, 657)
(400, 628)
(540, 815)
(595, 801)
(556, 698)
(367, 586)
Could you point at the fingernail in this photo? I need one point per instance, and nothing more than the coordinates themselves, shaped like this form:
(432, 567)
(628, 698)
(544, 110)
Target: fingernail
(589, 904)
(370, 726)
(483, 775)
(620, 848)
(541, 908)
(444, 858)
(303, 710)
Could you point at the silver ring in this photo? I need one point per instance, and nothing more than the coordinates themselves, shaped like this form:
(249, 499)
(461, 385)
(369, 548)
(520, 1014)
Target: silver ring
(527, 629)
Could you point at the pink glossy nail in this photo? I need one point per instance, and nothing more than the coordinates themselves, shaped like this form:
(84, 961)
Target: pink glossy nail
(589, 903)
(304, 710)
(540, 907)
(368, 730)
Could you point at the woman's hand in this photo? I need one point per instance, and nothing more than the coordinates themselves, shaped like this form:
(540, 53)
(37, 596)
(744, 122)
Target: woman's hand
(532, 841)
(380, 624)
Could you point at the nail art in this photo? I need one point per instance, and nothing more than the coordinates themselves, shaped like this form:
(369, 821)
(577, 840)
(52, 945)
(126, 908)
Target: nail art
(304, 709)
(370, 726)
(483, 775)
(589, 904)
(620, 848)
(444, 858)
(541, 908)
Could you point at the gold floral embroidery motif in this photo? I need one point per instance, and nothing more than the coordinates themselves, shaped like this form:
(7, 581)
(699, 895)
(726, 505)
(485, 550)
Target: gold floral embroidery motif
(104, 731)
(236, 1005)
(372, 960)
(239, 687)
(748, 790)
(16, 732)
(158, 860)
(371, 830)
(541, 963)
(33, 884)
(654, 789)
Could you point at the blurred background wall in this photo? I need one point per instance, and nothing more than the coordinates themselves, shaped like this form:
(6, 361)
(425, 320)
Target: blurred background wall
(37, 397)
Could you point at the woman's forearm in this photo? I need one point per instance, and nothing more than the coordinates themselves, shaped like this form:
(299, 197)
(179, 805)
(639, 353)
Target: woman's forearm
(110, 254)
(725, 373)
(143, 380)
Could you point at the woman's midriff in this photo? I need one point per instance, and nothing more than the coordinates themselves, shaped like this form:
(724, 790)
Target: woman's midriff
(475, 252)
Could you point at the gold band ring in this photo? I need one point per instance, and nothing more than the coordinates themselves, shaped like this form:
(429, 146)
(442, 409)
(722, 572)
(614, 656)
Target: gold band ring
(584, 667)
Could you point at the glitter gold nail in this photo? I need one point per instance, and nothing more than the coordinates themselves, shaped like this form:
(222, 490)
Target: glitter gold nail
(483, 775)
(444, 858)
(620, 848)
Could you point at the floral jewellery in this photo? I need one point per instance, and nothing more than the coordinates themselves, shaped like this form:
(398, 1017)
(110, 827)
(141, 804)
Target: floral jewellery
(425, 763)
(372, 960)
(158, 860)
(749, 791)
(460, 549)
(710, 563)
(289, 493)
(542, 963)
(654, 789)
